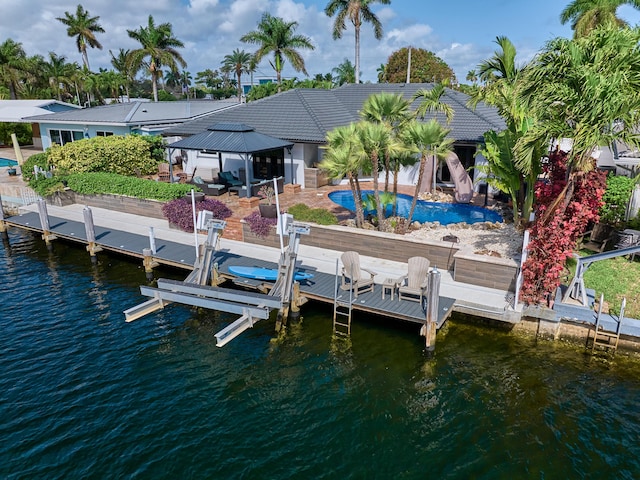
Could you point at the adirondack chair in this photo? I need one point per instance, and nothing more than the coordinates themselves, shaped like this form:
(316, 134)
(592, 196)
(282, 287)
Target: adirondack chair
(413, 286)
(355, 277)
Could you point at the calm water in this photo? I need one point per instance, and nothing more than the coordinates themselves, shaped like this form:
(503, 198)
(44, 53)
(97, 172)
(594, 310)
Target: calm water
(84, 395)
(445, 213)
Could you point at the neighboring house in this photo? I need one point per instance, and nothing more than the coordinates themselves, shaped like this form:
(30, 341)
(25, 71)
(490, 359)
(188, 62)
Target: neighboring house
(304, 116)
(144, 118)
(16, 111)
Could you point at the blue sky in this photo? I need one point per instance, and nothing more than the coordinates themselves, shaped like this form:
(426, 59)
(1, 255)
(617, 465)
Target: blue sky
(461, 32)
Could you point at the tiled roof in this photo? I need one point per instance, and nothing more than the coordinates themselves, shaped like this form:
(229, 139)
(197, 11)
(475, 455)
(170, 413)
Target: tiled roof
(306, 115)
(139, 113)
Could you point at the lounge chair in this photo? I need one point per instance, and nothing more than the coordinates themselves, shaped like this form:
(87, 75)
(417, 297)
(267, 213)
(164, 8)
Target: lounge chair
(227, 179)
(355, 277)
(413, 286)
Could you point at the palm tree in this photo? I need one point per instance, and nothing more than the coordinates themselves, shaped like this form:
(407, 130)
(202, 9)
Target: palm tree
(84, 28)
(240, 62)
(185, 82)
(375, 141)
(158, 50)
(59, 73)
(172, 79)
(345, 72)
(502, 64)
(382, 73)
(427, 139)
(391, 110)
(121, 65)
(356, 11)
(275, 35)
(13, 65)
(587, 15)
(432, 102)
(472, 76)
(342, 158)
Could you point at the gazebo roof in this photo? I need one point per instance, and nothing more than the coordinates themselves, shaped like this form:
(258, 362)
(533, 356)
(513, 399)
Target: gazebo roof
(231, 138)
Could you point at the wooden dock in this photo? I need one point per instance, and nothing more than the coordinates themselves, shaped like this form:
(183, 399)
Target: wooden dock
(320, 288)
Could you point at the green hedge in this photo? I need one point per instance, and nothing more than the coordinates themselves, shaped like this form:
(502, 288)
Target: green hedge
(125, 155)
(109, 183)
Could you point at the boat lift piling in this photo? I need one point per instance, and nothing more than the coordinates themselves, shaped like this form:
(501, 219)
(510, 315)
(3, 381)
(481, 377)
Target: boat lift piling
(90, 231)
(3, 225)
(47, 236)
(431, 322)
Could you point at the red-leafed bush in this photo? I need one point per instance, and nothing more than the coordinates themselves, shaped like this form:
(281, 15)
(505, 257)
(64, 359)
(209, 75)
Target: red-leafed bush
(259, 225)
(554, 233)
(179, 212)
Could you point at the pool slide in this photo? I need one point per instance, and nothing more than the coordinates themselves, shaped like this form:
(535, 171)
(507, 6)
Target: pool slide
(461, 179)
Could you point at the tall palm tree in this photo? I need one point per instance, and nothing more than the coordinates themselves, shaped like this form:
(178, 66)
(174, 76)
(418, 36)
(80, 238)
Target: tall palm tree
(472, 76)
(343, 158)
(158, 50)
(59, 73)
(240, 62)
(391, 110)
(84, 28)
(586, 15)
(172, 79)
(382, 73)
(276, 36)
(427, 139)
(357, 11)
(121, 65)
(13, 65)
(345, 72)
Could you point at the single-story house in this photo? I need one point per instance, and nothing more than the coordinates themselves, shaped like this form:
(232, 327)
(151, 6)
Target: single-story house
(304, 116)
(144, 118)
(17, 111)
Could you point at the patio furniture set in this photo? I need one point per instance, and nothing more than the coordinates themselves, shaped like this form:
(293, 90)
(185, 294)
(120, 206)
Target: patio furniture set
(412, 286)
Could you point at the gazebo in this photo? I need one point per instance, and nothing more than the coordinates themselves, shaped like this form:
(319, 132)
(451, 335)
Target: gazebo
(236, 138)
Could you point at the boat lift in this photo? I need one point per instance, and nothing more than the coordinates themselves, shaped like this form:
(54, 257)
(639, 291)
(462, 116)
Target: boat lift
(576, 289)
(196, 291)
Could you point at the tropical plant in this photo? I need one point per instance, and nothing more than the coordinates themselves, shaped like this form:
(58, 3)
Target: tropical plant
(472, 76)
(84, 28)
(240, 62)
(616, 199)
(342, 159)
(427, 139)
(357, 12)
(502, 64)
(259, 225)
(158, 50)
(13, 65)
(59, 73)
(345, 72)
(431, 101)
(276, 36)
(426, 67)
(382, 73)
(587, 15)
(121, 65)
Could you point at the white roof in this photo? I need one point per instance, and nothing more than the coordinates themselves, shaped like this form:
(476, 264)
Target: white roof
(17, 110)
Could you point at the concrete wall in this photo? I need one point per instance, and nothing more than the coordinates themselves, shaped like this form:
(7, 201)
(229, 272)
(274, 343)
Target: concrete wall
(479, 270)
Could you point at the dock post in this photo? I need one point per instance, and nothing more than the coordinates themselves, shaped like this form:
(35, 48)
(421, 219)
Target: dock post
(431, 322)
(90, 230)
(148, 263)
(47, 236)
(294, 312)
(3, 225)
(152, 240)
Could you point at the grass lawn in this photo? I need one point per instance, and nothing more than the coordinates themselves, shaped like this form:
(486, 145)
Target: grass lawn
(615, 278)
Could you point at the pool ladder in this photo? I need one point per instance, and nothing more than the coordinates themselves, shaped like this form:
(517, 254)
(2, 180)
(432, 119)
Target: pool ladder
(606, 338)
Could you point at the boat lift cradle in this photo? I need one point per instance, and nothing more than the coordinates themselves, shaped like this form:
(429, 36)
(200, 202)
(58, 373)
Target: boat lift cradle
(195, 291)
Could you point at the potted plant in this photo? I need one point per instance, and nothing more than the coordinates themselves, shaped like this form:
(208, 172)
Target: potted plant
(268, 210)
(12, 171)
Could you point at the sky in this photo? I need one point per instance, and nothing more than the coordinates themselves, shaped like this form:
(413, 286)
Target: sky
(461, 32)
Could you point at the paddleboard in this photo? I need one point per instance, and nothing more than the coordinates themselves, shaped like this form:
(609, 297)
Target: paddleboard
(269, 274)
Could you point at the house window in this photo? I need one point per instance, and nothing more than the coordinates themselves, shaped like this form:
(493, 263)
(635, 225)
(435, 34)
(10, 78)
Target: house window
(103, 134)
(268, 164)
(65, 136)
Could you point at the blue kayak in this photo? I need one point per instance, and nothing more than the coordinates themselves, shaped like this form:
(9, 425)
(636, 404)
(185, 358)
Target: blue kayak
(269, 274)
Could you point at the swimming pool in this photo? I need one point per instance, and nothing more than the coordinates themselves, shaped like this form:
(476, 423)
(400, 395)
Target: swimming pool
(6, 162)
(445, 213)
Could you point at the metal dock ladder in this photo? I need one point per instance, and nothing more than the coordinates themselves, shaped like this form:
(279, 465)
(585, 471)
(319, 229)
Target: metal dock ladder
(342, 309)
(606, 338)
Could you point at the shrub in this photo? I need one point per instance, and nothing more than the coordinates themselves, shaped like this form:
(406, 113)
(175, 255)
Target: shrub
(179, 211)
(616, 198)
(321, 216)
(39, 159)
(156, 146)
(47, 186)
(259, 225)
(125, 155)
(110, 183)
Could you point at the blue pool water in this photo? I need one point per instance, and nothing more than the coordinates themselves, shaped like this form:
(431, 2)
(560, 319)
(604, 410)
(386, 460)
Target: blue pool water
(6, 162)
(445, 213)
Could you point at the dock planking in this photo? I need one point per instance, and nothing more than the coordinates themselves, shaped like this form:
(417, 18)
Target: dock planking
(319, 288)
